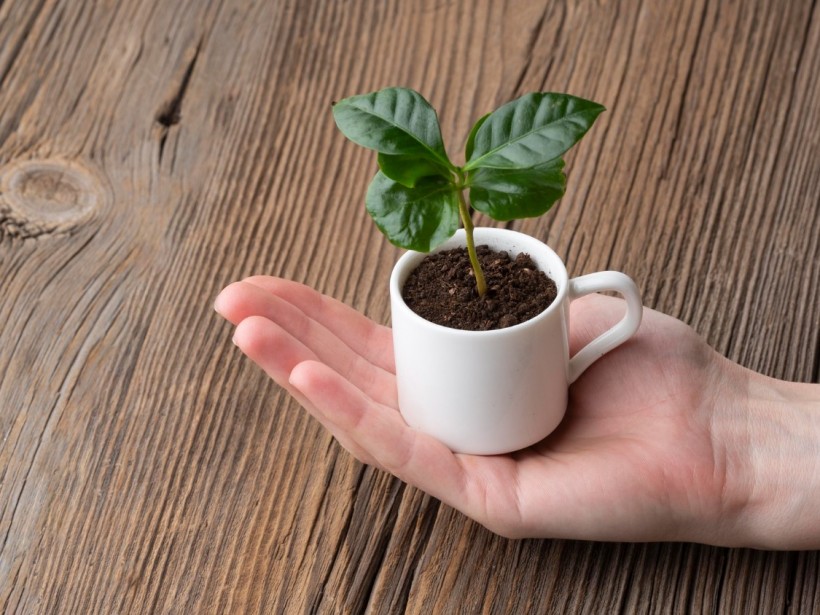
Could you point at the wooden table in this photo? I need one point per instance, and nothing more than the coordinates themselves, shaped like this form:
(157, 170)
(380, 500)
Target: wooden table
(152, 152)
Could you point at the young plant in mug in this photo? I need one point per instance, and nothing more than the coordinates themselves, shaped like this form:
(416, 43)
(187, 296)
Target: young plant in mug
(513, 163)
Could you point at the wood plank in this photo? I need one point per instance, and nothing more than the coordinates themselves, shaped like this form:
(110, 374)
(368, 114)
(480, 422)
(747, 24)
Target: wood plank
(151, 153)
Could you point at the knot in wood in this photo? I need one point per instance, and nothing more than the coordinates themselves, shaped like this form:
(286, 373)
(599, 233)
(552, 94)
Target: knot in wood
(46, 196)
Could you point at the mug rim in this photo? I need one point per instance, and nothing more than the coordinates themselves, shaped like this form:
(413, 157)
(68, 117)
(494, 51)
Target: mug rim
(407, 262)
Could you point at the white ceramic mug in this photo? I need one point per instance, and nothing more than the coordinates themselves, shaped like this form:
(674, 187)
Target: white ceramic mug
(492, 392)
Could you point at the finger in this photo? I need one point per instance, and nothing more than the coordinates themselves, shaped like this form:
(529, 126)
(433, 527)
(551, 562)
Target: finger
(590, 316)
(242, 300)
(277, 352)
(417, 459)
(372, 341)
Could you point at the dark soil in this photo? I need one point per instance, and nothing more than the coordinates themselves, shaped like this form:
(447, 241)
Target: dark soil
(442, 290)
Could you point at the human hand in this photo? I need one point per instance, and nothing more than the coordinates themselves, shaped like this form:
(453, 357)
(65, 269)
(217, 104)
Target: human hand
(654, 446)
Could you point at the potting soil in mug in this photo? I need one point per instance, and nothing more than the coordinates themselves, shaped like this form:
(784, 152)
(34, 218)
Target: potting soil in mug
(442, 289)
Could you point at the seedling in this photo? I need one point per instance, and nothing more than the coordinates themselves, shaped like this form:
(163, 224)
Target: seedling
(513, 163)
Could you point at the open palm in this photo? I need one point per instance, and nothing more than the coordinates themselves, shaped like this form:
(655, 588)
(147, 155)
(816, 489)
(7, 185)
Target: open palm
(634, 459)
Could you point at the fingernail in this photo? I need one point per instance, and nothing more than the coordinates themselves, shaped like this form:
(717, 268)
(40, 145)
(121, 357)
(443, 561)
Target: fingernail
(217, 304)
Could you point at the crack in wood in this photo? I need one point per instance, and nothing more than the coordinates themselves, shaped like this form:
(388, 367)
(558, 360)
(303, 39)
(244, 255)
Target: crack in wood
(170, 112)
(427, 516)
(366, 568)
(343, 535)
(373, 567)
(792, 565)
(11, 589)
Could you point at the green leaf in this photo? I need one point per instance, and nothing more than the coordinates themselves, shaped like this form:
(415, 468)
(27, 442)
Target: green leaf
(468, 149)
(419, 218)
(392, 121)
(510, 194)
(531, 130)
(408, 170)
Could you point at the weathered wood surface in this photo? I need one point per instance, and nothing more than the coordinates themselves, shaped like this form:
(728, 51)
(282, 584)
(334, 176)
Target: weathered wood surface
(151, 152)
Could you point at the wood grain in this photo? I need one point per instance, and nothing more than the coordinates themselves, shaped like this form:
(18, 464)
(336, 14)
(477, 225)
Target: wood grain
(152, 152)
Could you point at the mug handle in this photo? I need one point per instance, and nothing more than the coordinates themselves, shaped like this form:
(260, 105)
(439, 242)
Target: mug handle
(617, 335)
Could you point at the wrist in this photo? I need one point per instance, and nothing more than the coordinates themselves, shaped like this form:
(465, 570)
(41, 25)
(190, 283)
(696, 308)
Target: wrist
(775, 431)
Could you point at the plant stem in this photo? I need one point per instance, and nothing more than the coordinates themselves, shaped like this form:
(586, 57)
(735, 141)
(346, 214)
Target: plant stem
(464, 212)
